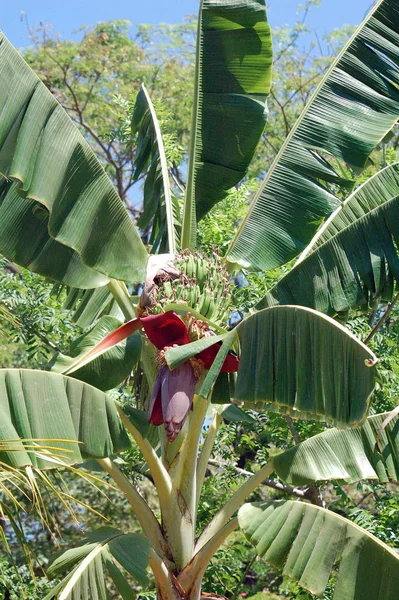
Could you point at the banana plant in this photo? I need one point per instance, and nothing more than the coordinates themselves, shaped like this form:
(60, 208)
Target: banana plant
(61, 217)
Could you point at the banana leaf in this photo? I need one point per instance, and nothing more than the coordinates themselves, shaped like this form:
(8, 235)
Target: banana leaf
(89, 305)
(232, 81)
(302, 363)
(297, 362)
(311, 544)
(352, 109)
(106, 545)
(60, 215)
(150, 157)
(75, 418)
(367, 452)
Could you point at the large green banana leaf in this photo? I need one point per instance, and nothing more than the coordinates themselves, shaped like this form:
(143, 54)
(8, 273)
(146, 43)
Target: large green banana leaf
(367, 452)
(36, 405)
(106, 371)
(60, 215)
(150, 156)
(354, 260)
(311, 544)
(232, 81)
(300, 362)
(353, 108)
(106, 545)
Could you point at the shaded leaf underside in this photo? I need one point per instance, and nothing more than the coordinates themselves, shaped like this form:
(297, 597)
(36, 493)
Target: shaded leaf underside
(86, 580)
(89, 305)
(349, 455)
(302, 363)
(49, 406)
(308, 542)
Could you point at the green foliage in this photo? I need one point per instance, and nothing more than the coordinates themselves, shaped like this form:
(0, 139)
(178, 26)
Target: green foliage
(235, 572)
(18, 584)
(96, 80)
(40, 325)
(263, 596)
(216, 228)
(385, 344)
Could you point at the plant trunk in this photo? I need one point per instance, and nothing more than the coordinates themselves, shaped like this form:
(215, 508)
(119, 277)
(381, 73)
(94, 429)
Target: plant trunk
(177, 595)
(193, 595)
(172, 590)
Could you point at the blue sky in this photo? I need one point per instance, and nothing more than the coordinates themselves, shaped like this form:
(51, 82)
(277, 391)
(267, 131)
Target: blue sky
(67, 16)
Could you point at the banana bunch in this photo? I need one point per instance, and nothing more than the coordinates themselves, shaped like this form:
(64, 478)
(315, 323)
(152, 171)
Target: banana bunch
(203, 284)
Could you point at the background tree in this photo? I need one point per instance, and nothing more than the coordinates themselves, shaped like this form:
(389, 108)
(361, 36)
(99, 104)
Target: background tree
(87, 77)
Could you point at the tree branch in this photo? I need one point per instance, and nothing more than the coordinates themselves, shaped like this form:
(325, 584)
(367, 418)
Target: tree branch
(381, 321)
(277, 485)
(294, 37)
(281, 106)
(87, 127)
(313, 493)
(305, 83)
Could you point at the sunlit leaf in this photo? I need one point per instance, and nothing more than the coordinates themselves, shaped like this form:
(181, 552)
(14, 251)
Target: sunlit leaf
(355, 105)
(232, 81)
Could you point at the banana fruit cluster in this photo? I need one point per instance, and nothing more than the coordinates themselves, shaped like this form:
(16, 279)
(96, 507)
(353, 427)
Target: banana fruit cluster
(203, 284)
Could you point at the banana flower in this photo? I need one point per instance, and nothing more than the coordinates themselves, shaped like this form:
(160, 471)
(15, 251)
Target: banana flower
(173, 391)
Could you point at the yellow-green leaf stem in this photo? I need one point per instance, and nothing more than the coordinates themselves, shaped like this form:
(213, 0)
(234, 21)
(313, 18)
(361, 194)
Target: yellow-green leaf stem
(146, 517)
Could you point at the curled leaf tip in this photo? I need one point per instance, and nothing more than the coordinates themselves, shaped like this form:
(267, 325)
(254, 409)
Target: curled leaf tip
(371, 362)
